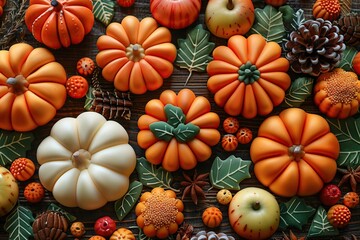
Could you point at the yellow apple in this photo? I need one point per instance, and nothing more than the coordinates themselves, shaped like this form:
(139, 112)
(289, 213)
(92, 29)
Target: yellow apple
(9, 191)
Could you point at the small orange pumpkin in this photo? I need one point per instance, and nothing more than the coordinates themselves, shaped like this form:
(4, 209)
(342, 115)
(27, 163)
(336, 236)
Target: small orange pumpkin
(174, 153)
(212, 217)
(295, 153)
(58, 23)
(31, 87)
(327, 9)
(275, 3)
(2, 4)
(122, 234)
(356, 63)
(248, 77)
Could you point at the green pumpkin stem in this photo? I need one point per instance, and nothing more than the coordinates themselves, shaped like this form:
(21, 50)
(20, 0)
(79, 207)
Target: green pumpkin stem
(248, 73)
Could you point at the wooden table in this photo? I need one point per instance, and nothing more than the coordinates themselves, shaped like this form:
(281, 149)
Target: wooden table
(68, 58)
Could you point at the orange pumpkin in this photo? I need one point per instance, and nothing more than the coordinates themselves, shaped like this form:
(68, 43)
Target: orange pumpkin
(122, 234)
(173, 153)
(295, 153)
(275, 3)
(2, 4)
(58, 23)
(31, 87)
(248, 77)
(356, 63)
(136, 55)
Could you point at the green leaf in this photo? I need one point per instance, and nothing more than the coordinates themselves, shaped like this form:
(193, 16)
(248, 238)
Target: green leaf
(298, 92)
(298, 20)
(174, 115)
(288, 14)
(269, 23)
(19, 224)
(186, 132)
(283, 224)
(347, 132)
(347, 58)
(104, 10)
(228, 173)
(56, 208)
(162, 130)
(321, 226)
(193, 52)
(124, 205)
(89, 98)
(153, 177)
(295, 213)
(14, 145)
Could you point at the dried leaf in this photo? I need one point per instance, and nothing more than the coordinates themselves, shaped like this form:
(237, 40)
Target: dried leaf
(124, 205)
(186, 132)
(56, 208)
(19, 224)
(320, 226)
(298, 92)
(104, 10)
(162, 130)
(347, 58)
(345, 7)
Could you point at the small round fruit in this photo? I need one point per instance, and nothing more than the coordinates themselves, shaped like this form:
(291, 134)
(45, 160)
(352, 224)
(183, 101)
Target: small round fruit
(34, 192)
(77, 86)
(244, 135)
(77, 229)
(212, 217)
(85, 66)
(231, 125)
(275, 3)
(9, 191)
(105, 226)
(356, 63)
(330, 195)
(339, 216)
(125, 3)
(22, 169)
(351, 199)
(224, 196)
(97, 237)
(229, 142)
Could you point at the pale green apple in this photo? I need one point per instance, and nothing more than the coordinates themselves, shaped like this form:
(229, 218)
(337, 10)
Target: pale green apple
(225, 18)
(254, 213)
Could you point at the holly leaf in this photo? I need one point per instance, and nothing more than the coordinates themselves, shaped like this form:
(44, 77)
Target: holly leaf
(174, 115)
(124, 205)
(162, 130)
(89, 98)
(347, 59)
(56, 208)
(14, 145)
(228, 173)
(320, 225)
(104, 10)
(345, 7)
(269, 23)
(19, 224)
(298, 92)
(295, 213)
(347, 132)
(193, 52)
(153, 177)
(186, 132)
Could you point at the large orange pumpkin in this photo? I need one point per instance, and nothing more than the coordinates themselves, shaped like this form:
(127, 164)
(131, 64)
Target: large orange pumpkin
(136, 55)
(248, 77)
(58, 23)
(31, 87)
(295, 153)
(186, 109)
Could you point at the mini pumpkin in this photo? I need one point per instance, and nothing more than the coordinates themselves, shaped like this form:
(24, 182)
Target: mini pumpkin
(327, 9)
(189, 125)
(248, 76)
(31, 87)
(122, 234)
(136, 55)
(78, 154)
(212, 217)
(295, 153)
(59, 23)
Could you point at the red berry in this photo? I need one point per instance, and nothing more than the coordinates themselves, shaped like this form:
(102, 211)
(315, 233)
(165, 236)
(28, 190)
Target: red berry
(105, 226)
(77, 87)
(231, 125)
(330, 195)
(125, 3)
(229, 142)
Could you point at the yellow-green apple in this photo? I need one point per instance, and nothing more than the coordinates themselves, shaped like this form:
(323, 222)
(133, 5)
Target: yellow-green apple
(254, 213)
(9, 191)
(225, 18)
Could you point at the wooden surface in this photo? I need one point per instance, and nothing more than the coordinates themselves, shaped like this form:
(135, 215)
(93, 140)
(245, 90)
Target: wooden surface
(72, 108)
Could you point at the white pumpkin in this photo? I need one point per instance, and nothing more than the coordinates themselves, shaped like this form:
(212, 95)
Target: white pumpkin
(86, 161)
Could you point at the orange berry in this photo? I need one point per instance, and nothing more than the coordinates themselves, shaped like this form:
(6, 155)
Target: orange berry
(244, 135)
(22, 169)
(212, 217)
(229, 142)
(339, 216)
(34, 192)
(85, 66)
(231, 125)
(351, 199)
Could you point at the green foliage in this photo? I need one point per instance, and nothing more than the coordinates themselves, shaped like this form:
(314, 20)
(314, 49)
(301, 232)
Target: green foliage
(104, 10)
(298, 92)
(186, 132)
(320, 225)
(162, 130)
(174, 115)
(19, 224)
(347, 58)
(124, 205)
(14, 145)
(56, 208)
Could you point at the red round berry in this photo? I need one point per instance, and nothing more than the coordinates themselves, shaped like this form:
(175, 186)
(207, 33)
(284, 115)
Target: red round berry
(77, 86)
(125, 3)
(105, 226)
(229, 142)
(34, 192)
(330, 195)
(244, 135)
(231, 125)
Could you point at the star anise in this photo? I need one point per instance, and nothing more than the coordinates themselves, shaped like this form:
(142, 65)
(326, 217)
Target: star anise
(292, 236)
(185, 232)
(350, 175)
(194, 186)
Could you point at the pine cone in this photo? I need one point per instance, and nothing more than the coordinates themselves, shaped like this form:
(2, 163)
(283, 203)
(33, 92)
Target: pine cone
(203, 235)
(349, 26)
(315, 48)
(50, 225)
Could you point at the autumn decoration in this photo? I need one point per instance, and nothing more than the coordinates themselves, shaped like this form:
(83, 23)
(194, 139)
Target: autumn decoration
(22, 169)
(356, 63)
(244, 135)
(229, 142)
(122, 234)
(350, 175)
(339, 216)
(327, 9)
(248, 76)
(34, 192)
(212, 217)
(178, 130)
(294, 153)
(59, 23)
(275, 3)
(136, 55)
(9, 191)
(50, 225)
(2, 5)
(77, 229)
(194, 185)
(231, 125)
(349, 26)
(105, 226)
(351, 199)
(85, 66)
(31, 87)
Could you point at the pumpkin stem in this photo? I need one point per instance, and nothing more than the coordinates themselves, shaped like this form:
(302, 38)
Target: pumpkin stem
(56, 5)
(297, 152)
(256, 205)
(248, 73)
(135, 52)
(17, 85)
(81, 159)
(230, 5)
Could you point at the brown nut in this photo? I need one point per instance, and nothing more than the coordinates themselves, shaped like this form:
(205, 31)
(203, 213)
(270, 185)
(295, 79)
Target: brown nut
(77, 229)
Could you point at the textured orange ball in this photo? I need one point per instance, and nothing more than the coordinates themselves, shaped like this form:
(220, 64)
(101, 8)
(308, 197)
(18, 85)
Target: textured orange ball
(229, 142)
(22, 169)
(212, 217)
(34, 192)
(339, 216)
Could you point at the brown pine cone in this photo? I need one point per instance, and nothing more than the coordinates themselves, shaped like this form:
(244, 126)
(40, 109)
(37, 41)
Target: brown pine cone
(50, 225)
(315, 48)
(349, 26)
(203, 235)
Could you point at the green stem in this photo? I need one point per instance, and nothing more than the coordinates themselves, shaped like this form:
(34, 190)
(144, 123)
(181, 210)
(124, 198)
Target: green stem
(248, 73)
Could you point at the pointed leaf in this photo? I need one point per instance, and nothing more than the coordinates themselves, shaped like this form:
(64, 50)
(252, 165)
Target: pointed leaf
(345, 7)
(269, 23)
(347, 59)
(347, 132)
(288, 14)
(295, 213)
(124, 205)
(185, 133)
(56, 208)
(193, 52)
(89, 98)
(162, 130)
(104, 10)
(153, 177)
(228, 173)
(320, 226)
(14, 145)
(283, 224)
(298, 92)
(298, 20)
(19, 224)
(174, 115)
